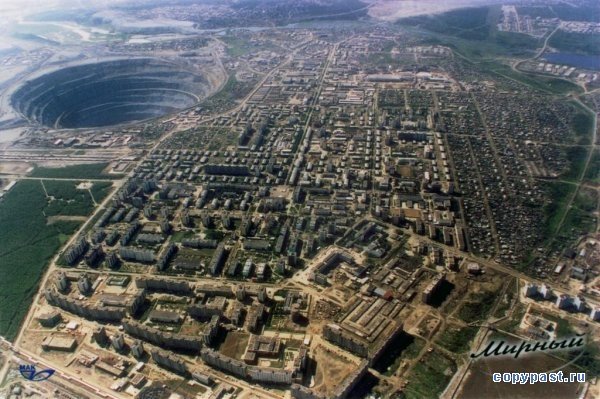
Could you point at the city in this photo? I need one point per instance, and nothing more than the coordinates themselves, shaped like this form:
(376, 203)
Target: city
(325, 204)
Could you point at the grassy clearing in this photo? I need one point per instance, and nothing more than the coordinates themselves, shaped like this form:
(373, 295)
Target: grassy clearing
(507, 299)
(592, 175)
(413, 350)
(586, 199)
(582, 123)
(477, 307)
(457, 339)
(473, 32)
(27, 243)
(579, 219)
(577, 223)
(100, 190)
(180, 235)
(512, 323)
(469, 23)
(236, 46)
(484, 54)
(576, 157)
(84, 171)
(66, 199)
(538, 82)
(554, 210)
(232, 91)
(430, 376)
(481, 51)
(571, 42)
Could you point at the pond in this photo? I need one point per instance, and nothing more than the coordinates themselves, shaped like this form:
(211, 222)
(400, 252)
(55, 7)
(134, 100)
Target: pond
(591, 62)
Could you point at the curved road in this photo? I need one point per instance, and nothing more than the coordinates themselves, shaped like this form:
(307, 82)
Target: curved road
(515, 66)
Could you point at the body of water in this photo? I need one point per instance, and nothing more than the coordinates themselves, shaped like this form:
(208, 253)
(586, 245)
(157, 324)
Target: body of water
(591, 62)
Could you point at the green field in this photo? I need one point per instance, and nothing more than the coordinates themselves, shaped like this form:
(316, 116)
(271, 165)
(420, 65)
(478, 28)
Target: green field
(582, 123)
(511, 324)
(543, 83)
(502, 44)
(232, 90)
(586, 199)
(506, 301)
(430, 376)
(576, 157)
(477, 306)
(66, 199)
(84, 171)
(592, 174)
(554, 210)
(457, 339)
(27, 243)
(575, 42)
(473, 32)
(100, 190)
(237, 46)
(485, 58)
(579, 220)
(468, 23)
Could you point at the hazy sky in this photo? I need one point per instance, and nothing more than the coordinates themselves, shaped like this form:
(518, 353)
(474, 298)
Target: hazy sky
(388, 9)
(28, 6)
(395, 9)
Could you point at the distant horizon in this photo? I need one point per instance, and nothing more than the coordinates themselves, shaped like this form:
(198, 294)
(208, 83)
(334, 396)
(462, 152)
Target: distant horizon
(394, 10)
(389, 10)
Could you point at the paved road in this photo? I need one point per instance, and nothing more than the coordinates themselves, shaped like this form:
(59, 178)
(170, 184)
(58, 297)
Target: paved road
(300, 154)
(541, 51)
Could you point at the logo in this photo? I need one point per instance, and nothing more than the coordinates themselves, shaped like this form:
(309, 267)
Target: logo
(501, 348)
(28, 372)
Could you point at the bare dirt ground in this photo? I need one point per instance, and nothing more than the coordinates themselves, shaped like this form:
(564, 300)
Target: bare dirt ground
(54, 219)
(14, 168)
(235, 345)
(331, 370)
